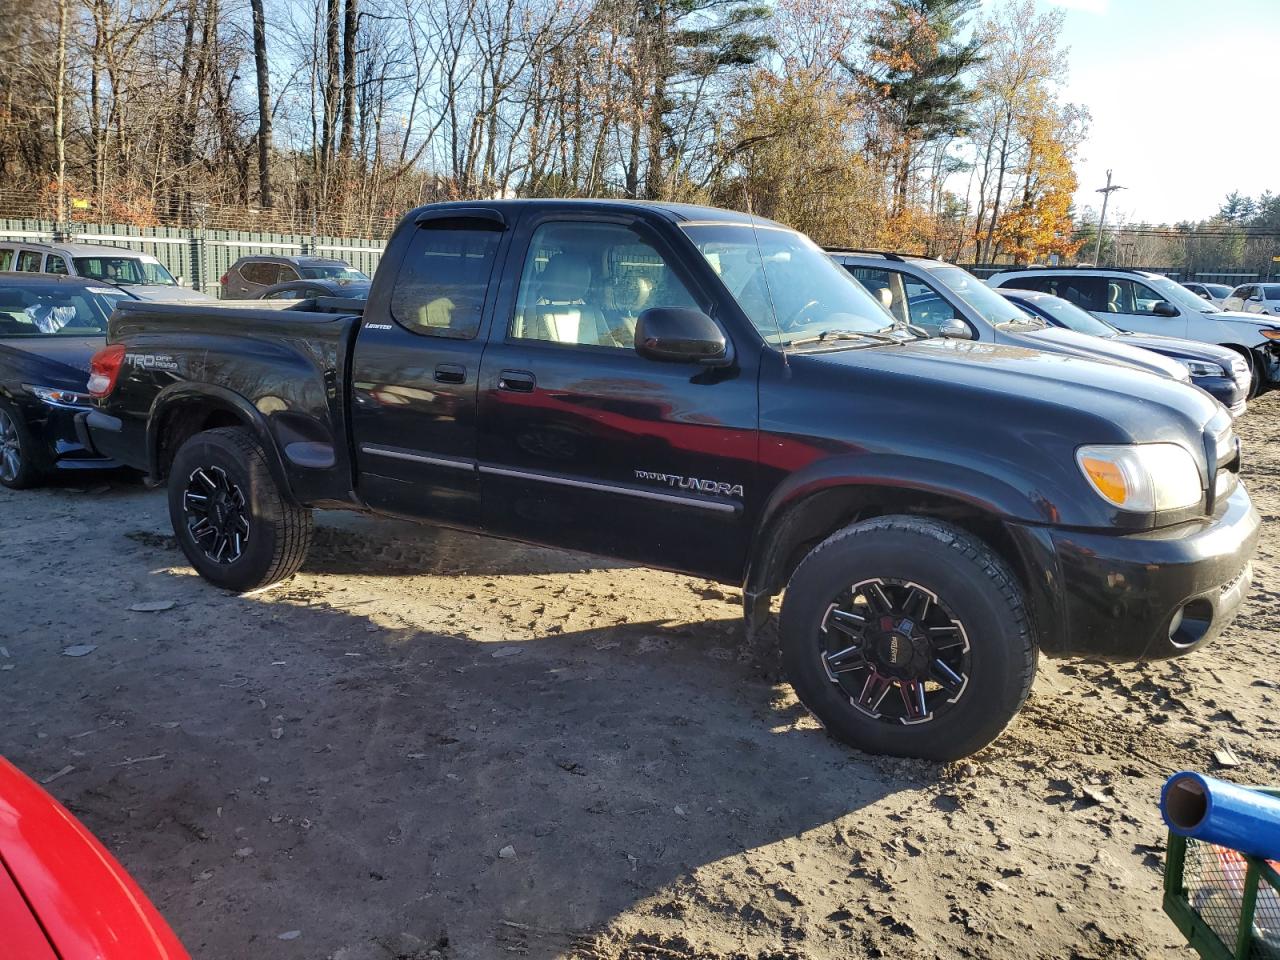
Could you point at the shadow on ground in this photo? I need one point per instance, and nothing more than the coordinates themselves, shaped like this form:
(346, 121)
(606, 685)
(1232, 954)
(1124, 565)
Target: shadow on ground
(304, 767)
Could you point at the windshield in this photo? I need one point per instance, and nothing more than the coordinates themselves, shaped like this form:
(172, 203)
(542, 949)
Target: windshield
(1068, 315)
(330, 271)
(788, 287)
(125, 269)
(1179, 295)
(46, 310)
(994, 308)
(1217, 290)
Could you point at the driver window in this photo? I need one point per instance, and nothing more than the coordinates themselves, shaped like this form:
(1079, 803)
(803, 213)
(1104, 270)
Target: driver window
(586, 284)
(1145, 299)
(926, 307)
(1120, 297)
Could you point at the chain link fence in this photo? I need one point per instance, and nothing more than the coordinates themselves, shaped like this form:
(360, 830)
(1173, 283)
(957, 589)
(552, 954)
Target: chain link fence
(198, 256)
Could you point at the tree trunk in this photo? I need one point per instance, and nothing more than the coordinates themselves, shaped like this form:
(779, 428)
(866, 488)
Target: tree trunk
(330, 94)
(350, 27)
(60, 110)
(264, 103)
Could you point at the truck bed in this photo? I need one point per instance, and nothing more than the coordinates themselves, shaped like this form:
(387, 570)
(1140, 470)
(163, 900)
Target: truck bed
(285, 367)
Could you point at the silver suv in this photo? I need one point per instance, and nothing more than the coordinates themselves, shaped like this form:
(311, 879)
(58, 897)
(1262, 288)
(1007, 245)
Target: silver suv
(948, 301)
(248, 277)
(140, 274)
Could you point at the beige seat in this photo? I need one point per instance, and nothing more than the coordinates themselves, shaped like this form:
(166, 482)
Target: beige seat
(561, 312)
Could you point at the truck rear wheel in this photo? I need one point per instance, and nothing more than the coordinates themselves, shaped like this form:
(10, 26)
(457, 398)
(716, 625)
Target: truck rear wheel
(230, 516)
(908, 636)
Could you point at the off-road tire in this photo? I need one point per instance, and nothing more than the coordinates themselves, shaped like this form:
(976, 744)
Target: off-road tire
(31, 469)
(967, 576)
(280, 530)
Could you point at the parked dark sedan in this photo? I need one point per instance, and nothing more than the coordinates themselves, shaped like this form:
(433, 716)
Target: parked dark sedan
(49, 328)
(1222, 373)
(306, 289)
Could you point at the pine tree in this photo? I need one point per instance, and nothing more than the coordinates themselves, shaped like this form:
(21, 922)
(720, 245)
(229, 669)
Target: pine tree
(916, 69)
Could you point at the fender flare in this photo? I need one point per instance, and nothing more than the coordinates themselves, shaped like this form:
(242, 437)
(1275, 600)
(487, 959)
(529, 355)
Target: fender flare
(875, 474)
(186, 392)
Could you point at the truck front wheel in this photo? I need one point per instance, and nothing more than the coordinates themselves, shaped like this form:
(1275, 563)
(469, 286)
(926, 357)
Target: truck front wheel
(908, 636)
(230, 516)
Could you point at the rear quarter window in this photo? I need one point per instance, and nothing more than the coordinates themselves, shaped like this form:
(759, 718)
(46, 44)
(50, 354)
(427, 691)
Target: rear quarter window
(441, 286)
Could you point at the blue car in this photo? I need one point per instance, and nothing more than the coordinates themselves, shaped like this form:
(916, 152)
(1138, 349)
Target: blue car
(1220, 372)
(50, 327)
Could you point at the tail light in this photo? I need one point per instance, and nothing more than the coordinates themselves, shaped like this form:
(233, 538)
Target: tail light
(104, 368)
(223, 279)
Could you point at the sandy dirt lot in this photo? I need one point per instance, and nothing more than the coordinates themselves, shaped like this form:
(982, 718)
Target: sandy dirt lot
(434, 745)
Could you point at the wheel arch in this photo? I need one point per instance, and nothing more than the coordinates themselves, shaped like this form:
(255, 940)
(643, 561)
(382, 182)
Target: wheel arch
(793, 524)
(181, 411)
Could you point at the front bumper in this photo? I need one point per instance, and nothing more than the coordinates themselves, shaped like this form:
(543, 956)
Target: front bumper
(1143, 596)
(1226, 391)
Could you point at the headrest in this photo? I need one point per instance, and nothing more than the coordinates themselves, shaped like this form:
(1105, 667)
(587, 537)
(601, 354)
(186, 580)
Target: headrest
(565, 279)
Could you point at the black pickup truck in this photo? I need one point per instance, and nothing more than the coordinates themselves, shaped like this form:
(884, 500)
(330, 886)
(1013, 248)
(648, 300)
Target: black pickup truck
(707, 392)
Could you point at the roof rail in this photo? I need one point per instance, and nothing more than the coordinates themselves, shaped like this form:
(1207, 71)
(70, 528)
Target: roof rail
(888, 255)
(1073, 266)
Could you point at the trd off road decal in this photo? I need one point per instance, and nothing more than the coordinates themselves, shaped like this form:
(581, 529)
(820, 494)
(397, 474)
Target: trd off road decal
(151, 361)
(677, 482)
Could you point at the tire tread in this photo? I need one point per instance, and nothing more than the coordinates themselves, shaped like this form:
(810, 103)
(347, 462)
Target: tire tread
(965, 546)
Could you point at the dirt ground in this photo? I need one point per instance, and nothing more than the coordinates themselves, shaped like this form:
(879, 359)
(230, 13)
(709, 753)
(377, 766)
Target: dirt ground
(435, 745)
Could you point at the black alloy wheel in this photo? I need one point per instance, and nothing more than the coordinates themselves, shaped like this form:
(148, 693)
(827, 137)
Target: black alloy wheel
(217, 514)
(896, 651)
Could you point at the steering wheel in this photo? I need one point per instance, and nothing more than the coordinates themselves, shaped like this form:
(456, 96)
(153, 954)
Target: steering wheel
(790, 322)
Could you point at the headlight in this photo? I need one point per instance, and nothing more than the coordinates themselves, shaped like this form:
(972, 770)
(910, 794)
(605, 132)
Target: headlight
(57, 397)
(1271, 334)
(1142, 478)
(1199, 368)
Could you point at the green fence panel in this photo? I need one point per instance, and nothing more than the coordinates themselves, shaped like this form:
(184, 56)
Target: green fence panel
(361, 254)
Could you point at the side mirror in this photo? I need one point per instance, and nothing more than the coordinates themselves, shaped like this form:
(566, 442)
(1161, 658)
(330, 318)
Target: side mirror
(1163, 308)
(955, 329)
(1203, 296)
(180, 280)
(680, 335)
(1256, 298)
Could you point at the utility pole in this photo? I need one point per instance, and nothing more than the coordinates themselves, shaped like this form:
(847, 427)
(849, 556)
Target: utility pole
(1106, 195)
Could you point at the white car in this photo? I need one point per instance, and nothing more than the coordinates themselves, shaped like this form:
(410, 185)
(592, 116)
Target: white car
(1261, 298)
(1150, 303)
(1215, 293)
(140, 274)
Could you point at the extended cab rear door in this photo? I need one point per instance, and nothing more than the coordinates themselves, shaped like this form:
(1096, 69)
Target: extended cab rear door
(416, 366)
(585, 444)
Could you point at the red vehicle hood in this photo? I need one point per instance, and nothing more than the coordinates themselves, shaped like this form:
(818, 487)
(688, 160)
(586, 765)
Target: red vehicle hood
(62, 893)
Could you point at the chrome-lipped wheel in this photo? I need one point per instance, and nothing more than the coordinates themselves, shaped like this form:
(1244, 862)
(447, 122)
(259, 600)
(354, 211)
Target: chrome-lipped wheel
(896, 651)
(10, 448)
(217, 514)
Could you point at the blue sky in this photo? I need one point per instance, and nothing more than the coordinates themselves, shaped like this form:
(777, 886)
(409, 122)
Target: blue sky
(1185, 98)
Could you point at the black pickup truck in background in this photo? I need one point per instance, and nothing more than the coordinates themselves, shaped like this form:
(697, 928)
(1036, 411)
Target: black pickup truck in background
(707, 392)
